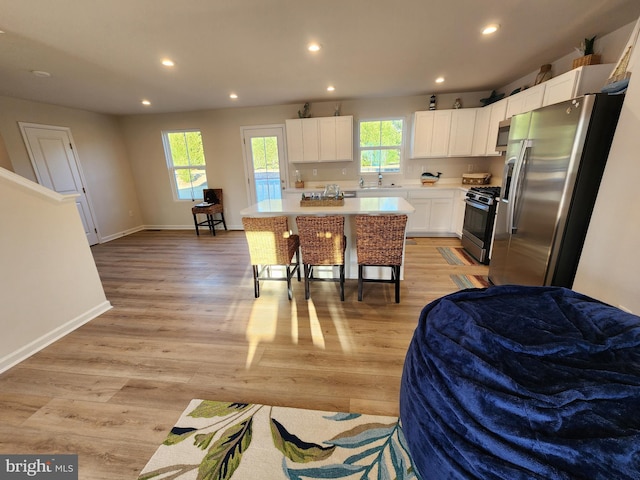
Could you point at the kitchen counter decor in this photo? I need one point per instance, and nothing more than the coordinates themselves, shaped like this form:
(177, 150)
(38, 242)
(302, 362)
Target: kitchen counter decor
(429, 178)
(476, 178)
(317, 200)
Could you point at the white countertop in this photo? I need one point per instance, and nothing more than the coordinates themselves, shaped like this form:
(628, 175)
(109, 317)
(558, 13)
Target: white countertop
(352, 206)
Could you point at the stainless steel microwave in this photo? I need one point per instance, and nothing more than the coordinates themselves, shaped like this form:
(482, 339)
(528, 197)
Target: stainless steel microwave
(503, 135)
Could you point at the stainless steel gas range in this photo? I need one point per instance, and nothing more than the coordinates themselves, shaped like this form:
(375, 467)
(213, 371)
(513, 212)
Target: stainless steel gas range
(479, 218)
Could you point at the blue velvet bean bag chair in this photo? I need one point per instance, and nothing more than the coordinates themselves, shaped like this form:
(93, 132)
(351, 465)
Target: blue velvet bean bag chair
(528, 383)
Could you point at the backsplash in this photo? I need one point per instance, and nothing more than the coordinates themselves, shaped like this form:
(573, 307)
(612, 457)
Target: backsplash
(413, 168)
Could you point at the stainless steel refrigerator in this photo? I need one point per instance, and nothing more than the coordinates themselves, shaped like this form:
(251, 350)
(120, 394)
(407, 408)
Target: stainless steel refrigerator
(554, 161)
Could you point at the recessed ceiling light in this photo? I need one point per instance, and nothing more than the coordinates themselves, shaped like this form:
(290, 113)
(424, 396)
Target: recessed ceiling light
(146, 103)
(314, 47)
(489, 29)
(331, 88)
(168, 62)
(233, 96)
(440, 80)
(41, 73)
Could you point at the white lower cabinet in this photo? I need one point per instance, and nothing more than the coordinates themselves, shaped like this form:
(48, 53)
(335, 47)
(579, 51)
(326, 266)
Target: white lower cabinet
(434, 211)
(459, 206)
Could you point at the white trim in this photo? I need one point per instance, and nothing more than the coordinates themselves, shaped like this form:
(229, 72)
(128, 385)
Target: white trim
(171, 168)
(248, 169)
(74, 151)
(123, 234)
(47, 339)
(36, 187)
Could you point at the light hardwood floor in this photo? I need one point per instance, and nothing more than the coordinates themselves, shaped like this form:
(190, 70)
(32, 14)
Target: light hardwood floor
(185, 325)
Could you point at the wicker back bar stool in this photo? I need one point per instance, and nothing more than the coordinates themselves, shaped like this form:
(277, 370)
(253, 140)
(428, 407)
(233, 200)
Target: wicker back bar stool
(380, 242)
(213, 196)
(271, 243)
(322, 243)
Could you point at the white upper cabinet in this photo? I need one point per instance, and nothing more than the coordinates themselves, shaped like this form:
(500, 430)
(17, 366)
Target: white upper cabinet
(327, 129)
(525, 101)
(463, 122)
(481, 131)
(473, 131)
(344, 138)
(576, 82)
(498, 114)
(310, 145)
(430, 134)
(322, 139)
(441, 131)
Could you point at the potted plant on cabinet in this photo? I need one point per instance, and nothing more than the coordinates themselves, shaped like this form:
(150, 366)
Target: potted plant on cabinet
(589, 57)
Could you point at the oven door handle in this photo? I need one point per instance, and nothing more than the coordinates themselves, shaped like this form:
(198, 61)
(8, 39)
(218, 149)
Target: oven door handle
(479, 206)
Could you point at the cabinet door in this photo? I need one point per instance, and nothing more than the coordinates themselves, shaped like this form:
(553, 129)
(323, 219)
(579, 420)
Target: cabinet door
(441, 131)
(533, 97)
(344, 138)
(422, 134)
(561, 88)
(481, 131)
(461, 136)
(458, 212)
(327, 139)
(515, 105)
(525, 101)
(295, 152)
(418, 221)
(498, 112)
(441, 215)
(310, 140)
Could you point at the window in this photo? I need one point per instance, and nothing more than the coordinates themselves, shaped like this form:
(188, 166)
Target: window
(381, 145)
(185, 159)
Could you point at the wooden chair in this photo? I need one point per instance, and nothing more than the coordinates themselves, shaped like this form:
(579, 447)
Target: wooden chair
(271, 243)
(214, 197)
(322, 242)
(380, 242)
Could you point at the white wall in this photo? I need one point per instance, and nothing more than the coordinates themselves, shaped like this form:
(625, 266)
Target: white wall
(49, 283)
(610, 260)
(609, 47)
(101, 152)
(124, 163)
(223, 151)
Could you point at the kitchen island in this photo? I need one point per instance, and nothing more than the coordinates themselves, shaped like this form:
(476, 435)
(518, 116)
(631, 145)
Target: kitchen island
(352, 206)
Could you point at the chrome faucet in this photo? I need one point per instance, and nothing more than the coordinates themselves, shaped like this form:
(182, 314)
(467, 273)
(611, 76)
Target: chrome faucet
(379, 179)
(361, 183)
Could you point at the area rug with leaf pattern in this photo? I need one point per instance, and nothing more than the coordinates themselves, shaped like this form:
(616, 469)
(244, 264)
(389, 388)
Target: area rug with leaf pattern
(222, 440)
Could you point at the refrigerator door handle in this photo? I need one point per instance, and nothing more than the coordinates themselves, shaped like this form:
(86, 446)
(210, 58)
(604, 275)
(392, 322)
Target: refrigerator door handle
(518, 175)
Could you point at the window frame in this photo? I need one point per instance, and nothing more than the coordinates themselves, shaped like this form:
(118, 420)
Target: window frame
(173, 168)
(401, 118)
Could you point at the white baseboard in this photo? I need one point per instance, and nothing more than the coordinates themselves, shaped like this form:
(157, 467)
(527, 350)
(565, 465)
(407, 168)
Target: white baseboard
(122, 234)
(38, 344)
(159, 227)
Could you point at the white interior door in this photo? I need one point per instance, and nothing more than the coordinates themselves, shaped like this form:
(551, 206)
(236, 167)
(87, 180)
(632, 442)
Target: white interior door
(265, 162)
(56, 166)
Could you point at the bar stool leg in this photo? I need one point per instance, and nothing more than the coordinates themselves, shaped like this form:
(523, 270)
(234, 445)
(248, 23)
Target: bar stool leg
(195, 220)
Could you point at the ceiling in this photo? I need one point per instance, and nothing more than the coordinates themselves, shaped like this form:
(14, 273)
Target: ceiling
(105, 56)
